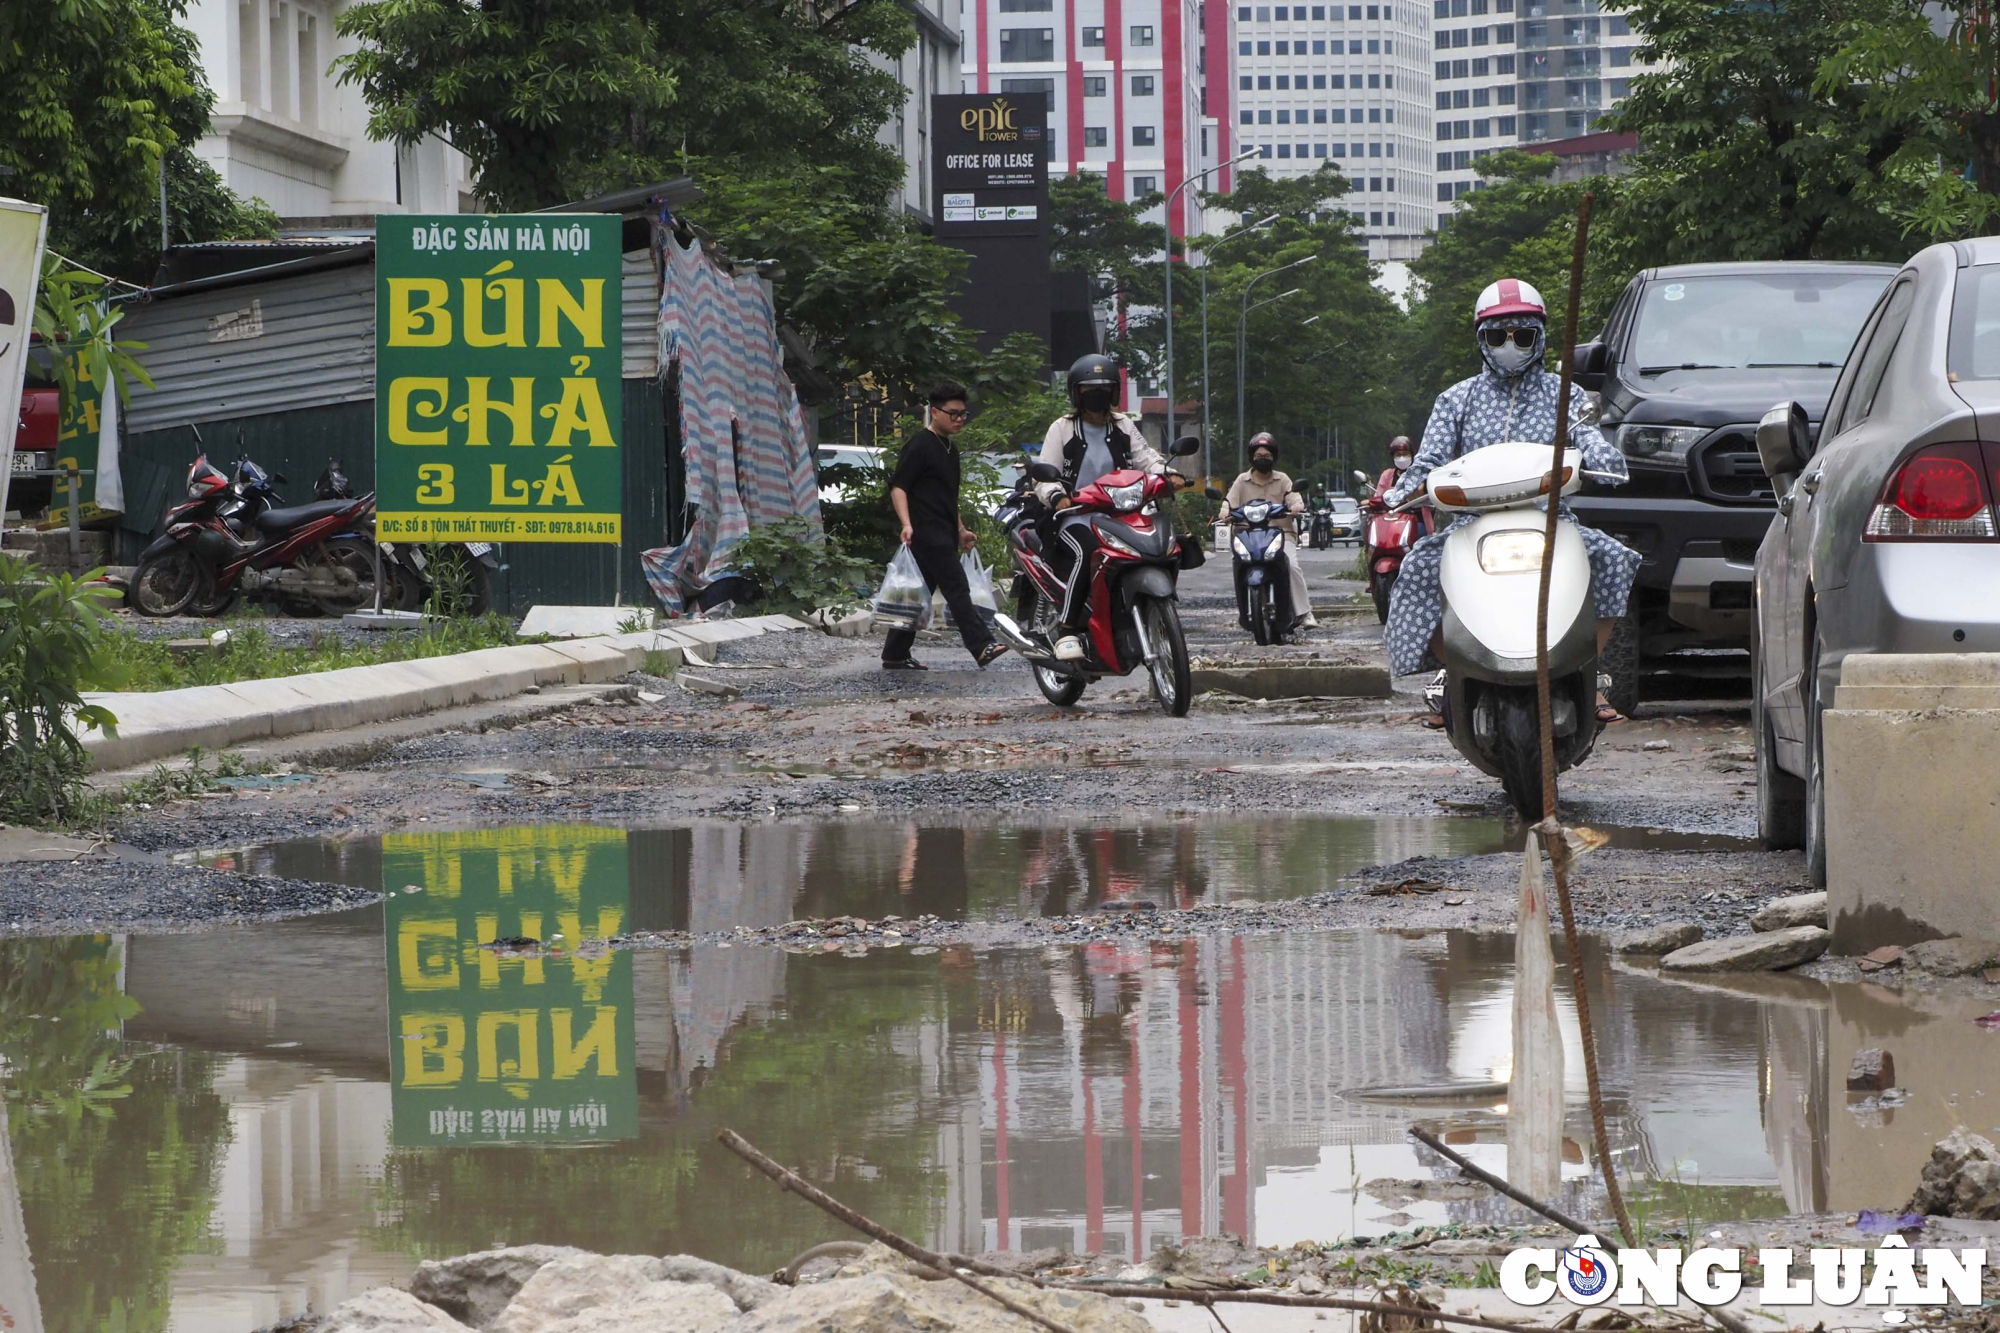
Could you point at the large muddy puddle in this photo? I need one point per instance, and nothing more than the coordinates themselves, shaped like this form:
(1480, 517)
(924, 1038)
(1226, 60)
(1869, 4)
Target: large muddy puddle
(212, 1131)
(717, 876)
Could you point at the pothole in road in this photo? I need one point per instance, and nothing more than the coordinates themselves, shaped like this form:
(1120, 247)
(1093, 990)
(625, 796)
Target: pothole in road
(255, 1117)
(710, 877)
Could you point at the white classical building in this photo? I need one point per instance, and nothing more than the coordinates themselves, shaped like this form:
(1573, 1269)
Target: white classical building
(286, 131)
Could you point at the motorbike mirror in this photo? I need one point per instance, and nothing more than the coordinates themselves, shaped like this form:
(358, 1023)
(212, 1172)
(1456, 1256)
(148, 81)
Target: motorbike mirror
(197, 437)
(1590, 363)
(1363, 477)
(1044, 472)
(1784, 443)
(1213, 493)
(1186, 446)
(277, 478)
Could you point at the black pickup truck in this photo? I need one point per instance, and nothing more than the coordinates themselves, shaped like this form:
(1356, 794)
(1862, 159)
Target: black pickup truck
(1691, 357)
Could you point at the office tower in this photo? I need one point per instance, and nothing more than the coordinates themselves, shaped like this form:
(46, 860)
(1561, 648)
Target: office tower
(1348, 84)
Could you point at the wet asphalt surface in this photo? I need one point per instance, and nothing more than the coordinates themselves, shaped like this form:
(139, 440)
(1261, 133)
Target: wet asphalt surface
(820, 732)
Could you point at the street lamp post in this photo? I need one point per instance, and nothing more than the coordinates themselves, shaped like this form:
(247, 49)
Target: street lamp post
(1207, 434)
(1167, 227)
(1242, 333)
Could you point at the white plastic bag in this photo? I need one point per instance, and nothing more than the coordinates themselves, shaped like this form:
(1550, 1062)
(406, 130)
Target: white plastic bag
(979, 579)
(904, 600)
(1535, 1088)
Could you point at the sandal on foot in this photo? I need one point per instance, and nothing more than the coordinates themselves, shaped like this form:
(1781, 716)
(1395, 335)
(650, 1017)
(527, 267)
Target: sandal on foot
(907, 664)
(1608, 716)
(991, 653)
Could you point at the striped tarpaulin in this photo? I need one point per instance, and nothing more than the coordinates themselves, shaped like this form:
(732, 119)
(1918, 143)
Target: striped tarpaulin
(747, 456)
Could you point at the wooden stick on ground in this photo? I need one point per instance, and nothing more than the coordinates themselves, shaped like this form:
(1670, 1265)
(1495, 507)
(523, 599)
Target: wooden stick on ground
(949, 1265)
(1429, 1140)
(956, 1265)
(1487, 1178)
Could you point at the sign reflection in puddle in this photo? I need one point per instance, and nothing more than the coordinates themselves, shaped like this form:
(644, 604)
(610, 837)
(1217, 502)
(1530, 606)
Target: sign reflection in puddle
(280, 1145)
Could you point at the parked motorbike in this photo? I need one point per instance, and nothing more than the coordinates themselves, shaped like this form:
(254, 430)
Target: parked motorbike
(1131, 582)
(415, 573)
(1491, 582)
(229, 539)
(1263, 575)
(1390, 537)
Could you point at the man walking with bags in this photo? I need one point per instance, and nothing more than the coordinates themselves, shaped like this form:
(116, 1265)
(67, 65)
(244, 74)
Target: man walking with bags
(924, 493)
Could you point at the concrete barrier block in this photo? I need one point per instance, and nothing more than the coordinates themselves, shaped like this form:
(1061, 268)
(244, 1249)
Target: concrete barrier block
(1919, 680)
(1295, 682)
(1913, 823)
(570, 622)
(594, 660)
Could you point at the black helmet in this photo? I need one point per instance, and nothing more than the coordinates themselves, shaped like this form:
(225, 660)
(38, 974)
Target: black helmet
(1093, 371)
(1262, 440)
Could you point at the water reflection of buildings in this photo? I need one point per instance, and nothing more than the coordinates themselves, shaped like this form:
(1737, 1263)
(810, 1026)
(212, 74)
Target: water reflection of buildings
(1109, 1097)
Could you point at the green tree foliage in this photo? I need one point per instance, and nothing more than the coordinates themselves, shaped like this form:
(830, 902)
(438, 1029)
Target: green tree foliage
(51, 648)
(115, 1152)
(1302, 380)
(1113, 245)
(99, 91)
(1523, 226)
(1765, 135)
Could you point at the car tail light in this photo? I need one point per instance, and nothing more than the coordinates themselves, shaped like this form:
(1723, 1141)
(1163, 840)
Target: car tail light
(1940, 493)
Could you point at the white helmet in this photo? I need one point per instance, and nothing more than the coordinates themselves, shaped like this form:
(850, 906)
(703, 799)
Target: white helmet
(1509, 296)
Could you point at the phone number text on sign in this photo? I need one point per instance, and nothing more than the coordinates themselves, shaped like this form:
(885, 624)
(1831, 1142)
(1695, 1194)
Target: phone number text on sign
(498, 409)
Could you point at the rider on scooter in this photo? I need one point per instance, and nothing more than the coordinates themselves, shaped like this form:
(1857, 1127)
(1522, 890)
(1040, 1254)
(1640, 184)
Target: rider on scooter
(1401, 455)
(1264, 482)
(1514, 398)
(1086, 442)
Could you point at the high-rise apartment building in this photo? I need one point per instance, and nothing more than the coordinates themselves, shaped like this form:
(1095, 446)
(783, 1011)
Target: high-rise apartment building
(1348, 84)
(929, 67)
(1516, 73)
(1125, 83)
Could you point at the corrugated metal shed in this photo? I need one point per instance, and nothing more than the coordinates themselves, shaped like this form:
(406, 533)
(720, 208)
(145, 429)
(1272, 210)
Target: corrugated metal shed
(249, 348)
(641, 316)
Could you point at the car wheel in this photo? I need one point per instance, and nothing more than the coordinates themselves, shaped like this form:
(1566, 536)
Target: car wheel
(1781, 796)
(1815, 780)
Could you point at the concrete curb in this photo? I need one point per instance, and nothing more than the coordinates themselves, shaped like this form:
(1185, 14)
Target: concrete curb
(158, 725)
(1295, 682)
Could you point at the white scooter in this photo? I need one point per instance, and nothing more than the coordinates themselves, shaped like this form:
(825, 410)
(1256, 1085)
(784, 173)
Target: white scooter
(1491, 577)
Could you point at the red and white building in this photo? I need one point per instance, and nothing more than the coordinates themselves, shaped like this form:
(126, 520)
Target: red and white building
(1139, 90)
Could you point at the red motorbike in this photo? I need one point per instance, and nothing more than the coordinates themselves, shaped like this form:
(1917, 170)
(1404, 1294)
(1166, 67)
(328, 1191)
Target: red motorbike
(227, 540)
(1131, 583)
(1390, 537)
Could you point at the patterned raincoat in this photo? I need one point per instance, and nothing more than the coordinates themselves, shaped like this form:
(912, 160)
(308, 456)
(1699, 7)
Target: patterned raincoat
(1491, 408)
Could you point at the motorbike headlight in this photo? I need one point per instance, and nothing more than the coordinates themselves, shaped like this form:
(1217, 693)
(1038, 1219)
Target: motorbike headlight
(1257, 510)
(1516, 552)
(1125, 499)
(1661, 445)
(1112, 542)
(1277, 543)
(1237, 545)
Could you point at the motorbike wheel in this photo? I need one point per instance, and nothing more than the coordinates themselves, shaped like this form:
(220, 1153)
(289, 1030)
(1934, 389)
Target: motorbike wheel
(457, 583)
(1518, 751)
(345, 556)
(1385, 584)
(1061, 688)
(1173, 681)
(166, 584)
(1262, 617)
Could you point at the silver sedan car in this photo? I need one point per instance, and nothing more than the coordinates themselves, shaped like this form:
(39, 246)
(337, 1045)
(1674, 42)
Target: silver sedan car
(1885, 540)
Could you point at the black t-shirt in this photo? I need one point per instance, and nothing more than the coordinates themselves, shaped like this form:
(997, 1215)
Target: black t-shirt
(928, 473)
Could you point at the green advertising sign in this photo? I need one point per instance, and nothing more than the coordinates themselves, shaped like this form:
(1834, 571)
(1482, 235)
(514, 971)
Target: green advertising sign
(80, 443)
(493, 1046)
(498, 354)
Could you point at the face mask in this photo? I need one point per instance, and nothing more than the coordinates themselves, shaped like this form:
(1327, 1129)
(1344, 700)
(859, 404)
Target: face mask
(1402, 462)
(1095, 400)
(1263, 464)
(1511, 358)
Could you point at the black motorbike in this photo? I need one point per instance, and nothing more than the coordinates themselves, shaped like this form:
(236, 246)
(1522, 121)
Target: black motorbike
(1263, 576)
(419, 575)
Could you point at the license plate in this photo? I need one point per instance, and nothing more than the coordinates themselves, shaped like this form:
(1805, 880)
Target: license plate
(26, 463)
(478, 548)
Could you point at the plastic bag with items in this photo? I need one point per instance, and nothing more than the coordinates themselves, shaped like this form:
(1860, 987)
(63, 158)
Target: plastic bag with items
(904, 599)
